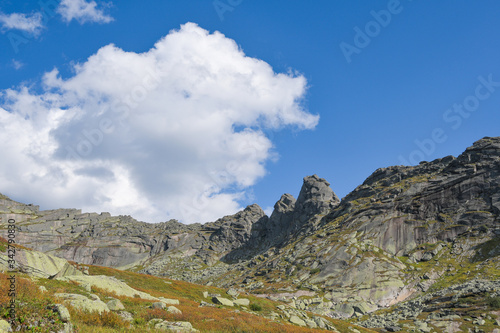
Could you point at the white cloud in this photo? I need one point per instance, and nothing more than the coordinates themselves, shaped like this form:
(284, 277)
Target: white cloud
(83, 11)
(18, 21)
(175, 132)
(17, 64)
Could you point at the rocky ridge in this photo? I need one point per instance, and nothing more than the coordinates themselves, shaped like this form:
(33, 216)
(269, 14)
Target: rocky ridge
(403, 232)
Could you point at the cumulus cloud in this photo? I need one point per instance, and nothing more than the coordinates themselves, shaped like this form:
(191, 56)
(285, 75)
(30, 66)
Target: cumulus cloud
(82, 11)
(176, 132)
(17, 21)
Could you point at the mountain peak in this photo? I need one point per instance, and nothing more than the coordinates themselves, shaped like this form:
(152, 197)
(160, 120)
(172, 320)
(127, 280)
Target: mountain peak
(487, 147)
(316, 196)
(285, 204)
(438, 218)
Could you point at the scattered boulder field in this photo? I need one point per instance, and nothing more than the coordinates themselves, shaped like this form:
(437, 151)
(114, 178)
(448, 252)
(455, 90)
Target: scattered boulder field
(412, 249)
(104, 299)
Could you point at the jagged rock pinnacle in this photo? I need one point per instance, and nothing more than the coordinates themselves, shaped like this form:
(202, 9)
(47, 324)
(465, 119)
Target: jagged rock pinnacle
(316, 196)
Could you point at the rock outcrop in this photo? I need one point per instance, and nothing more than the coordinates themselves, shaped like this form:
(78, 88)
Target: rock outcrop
(122, 242)
(404, 232)
(84, 303)
(315, 199)
(438, 309)
(110, 284)
(38, 264)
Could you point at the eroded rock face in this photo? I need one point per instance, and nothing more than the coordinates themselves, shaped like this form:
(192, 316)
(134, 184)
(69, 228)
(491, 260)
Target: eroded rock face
(39, 264)
(355, 255)
(315, 197)
(289, 216)
(428, 306)
(235, 231)
(281, 220)
(84, 303)
(122, 242)
(110, 284)
(447, 208)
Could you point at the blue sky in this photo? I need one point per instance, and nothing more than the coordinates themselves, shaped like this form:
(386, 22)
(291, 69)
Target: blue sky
(342, 89)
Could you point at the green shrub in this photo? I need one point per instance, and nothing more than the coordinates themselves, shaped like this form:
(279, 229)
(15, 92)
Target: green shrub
(255, 307)
(494, 302)
(139, 321)
(314, 271)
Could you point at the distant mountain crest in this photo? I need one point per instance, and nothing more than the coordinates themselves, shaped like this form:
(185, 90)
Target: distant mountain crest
(405, 231)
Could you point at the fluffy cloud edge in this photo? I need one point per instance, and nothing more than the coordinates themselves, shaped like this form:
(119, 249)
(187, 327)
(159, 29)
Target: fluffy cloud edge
(82, 11)
(189, 146)
(31, 24)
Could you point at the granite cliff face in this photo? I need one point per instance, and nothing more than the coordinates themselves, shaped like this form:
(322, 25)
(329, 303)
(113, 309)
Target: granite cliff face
(404, 232)
(121, 241)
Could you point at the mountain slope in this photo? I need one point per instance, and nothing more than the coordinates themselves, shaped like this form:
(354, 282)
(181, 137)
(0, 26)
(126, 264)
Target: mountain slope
(405, 232)
(83, 298)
